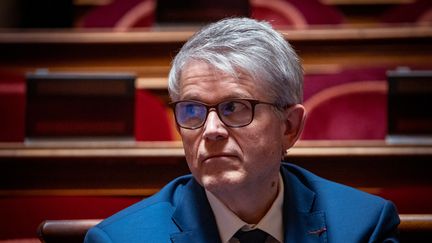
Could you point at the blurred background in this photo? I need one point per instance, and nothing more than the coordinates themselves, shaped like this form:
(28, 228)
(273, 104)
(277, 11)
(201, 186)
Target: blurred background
(150, 13)
(85, 128)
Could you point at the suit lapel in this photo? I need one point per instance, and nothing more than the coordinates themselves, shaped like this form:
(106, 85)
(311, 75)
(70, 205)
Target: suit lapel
(194, 217)
(302, 223)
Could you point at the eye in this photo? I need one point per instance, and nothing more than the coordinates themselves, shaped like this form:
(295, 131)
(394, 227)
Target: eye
(231, 107)
(191, 110)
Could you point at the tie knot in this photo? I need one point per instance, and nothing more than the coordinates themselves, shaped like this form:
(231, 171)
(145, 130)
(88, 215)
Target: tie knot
(252, 236)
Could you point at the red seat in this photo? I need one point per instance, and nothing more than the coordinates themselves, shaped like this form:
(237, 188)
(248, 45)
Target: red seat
(12, 107)
(352, 112)
(152, 122)
(121, 15)
(351, 104)
(419, 11)
(295, 13)
(413, 199)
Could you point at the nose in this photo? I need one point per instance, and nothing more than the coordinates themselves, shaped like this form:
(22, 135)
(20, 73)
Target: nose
(214, 129)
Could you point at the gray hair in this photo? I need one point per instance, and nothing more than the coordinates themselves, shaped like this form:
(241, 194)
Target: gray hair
(252, 47)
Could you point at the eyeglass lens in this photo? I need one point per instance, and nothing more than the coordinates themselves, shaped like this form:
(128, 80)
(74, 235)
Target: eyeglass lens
(233, 113)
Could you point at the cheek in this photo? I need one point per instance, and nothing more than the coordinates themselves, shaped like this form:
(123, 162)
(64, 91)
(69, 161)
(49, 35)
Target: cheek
(263, 143)
(190, 144)
(268, 127)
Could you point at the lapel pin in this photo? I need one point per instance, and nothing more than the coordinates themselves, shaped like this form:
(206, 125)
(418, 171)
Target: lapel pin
(317, 232)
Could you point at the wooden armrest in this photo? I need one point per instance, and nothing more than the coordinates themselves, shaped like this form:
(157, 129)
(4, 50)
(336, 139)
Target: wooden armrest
(416, 223)
(65, 230)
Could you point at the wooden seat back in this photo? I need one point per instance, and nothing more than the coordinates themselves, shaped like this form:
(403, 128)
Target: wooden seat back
(413, 228)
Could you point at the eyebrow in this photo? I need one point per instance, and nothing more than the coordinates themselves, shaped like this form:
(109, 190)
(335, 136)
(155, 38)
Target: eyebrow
(236, 95)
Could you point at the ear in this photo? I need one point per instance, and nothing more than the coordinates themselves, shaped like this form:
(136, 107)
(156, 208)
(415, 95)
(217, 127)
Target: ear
(294, 117)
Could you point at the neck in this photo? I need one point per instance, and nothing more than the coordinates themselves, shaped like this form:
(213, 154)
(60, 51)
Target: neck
(251, 203)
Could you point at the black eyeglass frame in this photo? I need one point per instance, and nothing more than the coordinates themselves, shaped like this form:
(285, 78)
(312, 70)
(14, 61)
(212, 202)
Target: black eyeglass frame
(208, 107)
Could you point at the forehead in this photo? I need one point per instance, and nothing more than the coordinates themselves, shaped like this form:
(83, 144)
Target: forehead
(200, 80)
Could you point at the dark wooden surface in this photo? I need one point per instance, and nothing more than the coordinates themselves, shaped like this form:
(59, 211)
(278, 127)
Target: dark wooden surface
(413, 228)
(86, 168)
(149, 52)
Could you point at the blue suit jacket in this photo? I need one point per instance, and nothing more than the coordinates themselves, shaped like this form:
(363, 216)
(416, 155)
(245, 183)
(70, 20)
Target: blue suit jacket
(315, 210)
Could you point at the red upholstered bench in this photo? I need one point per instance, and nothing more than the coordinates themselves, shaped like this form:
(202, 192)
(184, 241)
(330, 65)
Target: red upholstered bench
(347, 105)
(351, 104)
(153, 121)
(295, 13)
(12, 107)
(419, 11)
(121, 15)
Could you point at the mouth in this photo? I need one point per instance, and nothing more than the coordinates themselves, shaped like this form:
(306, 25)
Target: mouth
(217, 157)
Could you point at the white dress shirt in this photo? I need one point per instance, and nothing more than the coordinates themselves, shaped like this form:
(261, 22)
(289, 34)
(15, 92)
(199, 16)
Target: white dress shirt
(228, 223)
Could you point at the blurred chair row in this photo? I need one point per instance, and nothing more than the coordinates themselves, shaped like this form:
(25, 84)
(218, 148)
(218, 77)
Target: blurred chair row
(127, 14)
(349, 104)
(152, 119)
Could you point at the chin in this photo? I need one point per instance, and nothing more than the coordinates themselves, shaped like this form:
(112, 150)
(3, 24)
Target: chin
(222, 181)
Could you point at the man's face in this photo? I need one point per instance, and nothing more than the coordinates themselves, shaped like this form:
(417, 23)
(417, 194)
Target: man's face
(223, 158)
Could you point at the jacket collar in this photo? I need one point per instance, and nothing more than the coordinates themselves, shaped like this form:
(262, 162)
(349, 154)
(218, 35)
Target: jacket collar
(194, 216)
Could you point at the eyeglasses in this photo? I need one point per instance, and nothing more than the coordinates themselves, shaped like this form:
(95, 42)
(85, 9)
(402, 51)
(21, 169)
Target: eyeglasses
(191, 114)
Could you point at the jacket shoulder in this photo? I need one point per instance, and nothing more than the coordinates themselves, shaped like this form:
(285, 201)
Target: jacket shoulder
(151, 216)
(326, 190)
(349, 212)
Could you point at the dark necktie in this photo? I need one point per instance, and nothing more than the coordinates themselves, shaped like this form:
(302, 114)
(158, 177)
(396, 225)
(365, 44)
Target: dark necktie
(252, 236)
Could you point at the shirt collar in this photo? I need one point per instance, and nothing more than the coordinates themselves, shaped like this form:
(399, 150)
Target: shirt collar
(228, 223)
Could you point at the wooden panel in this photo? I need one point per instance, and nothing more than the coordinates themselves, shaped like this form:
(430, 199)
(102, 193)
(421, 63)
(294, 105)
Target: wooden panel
(149, 53)
(413, 228)
(143, 168)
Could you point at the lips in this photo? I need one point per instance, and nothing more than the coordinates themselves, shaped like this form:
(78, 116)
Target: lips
(206, 158)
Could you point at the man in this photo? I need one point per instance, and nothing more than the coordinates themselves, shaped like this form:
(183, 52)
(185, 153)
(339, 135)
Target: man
(236, 87)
